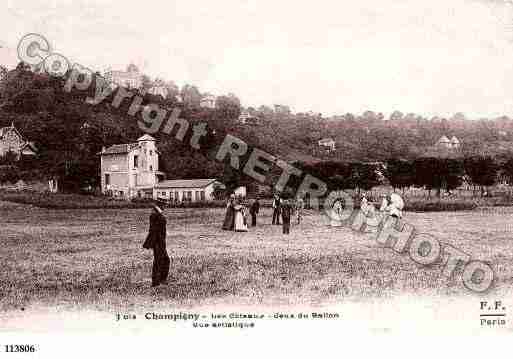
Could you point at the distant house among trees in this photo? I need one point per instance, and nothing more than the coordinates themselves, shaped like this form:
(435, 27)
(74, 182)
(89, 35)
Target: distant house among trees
(445, 143)
(132, 78)
(11, 141)
(328, 144)
(208, 101)
(246, 117)
(158, 90)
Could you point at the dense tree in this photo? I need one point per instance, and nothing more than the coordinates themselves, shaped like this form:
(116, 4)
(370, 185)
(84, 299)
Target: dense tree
(507, 169)
(146, 83)
(400, 173)
(364, 176)
(172, 90)
(228, 107)
(3, 79)
(191, 96)
(482, 171)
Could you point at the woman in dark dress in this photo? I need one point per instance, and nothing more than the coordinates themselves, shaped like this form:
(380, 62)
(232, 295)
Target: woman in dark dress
(229, 219)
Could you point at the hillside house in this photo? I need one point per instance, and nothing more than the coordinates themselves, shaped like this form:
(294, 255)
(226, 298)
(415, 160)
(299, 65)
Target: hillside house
(131, 78)
(445, 143)
(12, 141)
(328, 144)
(130, 170)
(246, 118)
(158, 90)
(208, 101)
(190, 190)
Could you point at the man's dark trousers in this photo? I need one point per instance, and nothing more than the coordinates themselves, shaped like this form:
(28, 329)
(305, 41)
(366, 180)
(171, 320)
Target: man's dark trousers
(160, 270)
(276, 215)
(156, 240)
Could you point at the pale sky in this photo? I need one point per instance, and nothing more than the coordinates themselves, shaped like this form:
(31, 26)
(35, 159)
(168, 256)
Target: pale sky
(427, 57)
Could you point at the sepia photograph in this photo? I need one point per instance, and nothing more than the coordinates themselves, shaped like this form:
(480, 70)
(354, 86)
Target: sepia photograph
(236, 173)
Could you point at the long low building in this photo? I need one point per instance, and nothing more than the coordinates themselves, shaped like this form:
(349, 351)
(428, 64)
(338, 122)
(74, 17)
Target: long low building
(191, 190)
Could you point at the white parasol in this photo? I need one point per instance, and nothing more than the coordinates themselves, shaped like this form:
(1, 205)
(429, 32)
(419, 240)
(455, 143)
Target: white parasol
(397, 201)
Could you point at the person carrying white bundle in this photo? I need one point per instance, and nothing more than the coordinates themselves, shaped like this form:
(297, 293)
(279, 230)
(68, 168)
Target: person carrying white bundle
(394, 206)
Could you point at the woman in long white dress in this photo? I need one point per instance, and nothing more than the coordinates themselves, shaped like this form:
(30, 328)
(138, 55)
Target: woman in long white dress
(240, 218)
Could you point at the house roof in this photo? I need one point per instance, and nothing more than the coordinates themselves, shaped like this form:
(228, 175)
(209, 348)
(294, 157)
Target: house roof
(4, 130)
(444, 139)
(146, 137)
(454, 139)
(325, 140)
(189, 183)
(119, 149)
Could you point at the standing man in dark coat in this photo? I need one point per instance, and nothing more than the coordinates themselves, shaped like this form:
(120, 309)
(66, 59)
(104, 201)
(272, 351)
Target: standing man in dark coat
(276, 209)
(286, 212)
(255, 208)
(156, 240)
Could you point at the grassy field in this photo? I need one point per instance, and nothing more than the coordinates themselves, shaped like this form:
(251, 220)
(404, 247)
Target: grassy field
(93, 259)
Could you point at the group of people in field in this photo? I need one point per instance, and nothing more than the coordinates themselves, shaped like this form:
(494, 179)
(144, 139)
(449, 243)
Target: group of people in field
(238, 210)
(236, 219)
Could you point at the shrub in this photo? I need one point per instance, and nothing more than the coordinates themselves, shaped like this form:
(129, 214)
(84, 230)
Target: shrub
(440, 206)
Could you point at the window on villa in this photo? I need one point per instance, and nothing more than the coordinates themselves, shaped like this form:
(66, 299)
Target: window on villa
(151, 153)
(136, 161)
(151, 168)
(202, 195)
(107, 179)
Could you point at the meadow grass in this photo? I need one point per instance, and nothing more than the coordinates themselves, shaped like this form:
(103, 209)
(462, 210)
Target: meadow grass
(94, 258)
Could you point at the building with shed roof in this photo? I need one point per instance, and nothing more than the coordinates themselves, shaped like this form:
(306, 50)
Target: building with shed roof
(188, 190)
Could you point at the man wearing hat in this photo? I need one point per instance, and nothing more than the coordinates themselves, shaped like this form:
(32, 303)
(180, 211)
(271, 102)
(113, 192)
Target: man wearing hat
(156, 240)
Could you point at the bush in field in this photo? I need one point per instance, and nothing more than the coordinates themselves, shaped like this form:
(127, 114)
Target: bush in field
(453, 172)
(507, 169)
(482, 171)
(9, 174)
(364, 176)
(440, 206)
(438, 173)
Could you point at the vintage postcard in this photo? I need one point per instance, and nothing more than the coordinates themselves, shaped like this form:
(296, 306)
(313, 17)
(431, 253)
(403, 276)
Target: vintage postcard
(278, 177)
